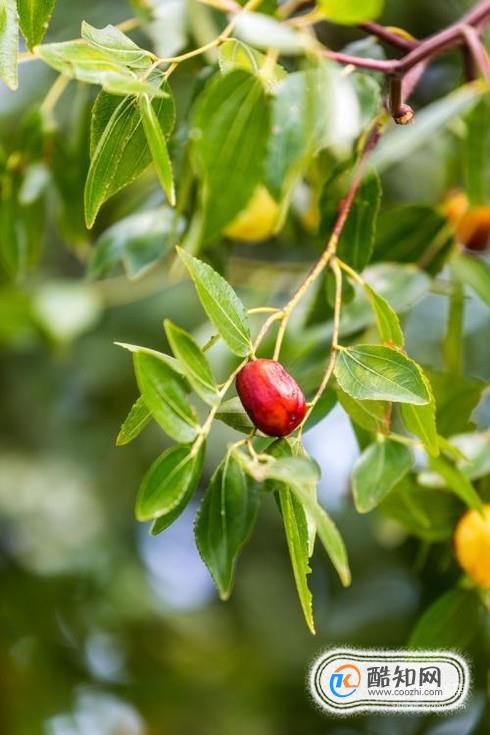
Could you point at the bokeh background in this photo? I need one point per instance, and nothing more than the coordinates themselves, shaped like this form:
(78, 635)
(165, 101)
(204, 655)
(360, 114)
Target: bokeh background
(105, 630)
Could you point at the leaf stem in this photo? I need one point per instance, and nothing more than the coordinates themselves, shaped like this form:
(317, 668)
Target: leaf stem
(401, 439)
(54, 93)
(354, 275)
(453, 351)
(211, 341)
(263, 310)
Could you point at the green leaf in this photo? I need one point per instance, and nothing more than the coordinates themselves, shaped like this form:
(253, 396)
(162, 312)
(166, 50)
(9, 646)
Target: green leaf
(225, 521)
(421, 421)
(379, 468)
(450, 622)
(137, 241)
(91, 63)
(299, 474)
(265, 32)
(119, 151)
(34, 185)
(477, 153)
(411, 233)
(158, 147)
(328, 533)
(450, 451)
(476, 450)
(21, 226)
(473, 272)
(374, 372)
(9, 41)
(283, 448)
(80, 60)
(337, 114)
(169, 484)
(401, 285)
(230, 133)
(296, 529)
(106, 105)
(232, 414)
(369, 415)
(119, 46)
(456, 398)
(122, 85)
(171, 362)
(387, 321)
(234, 54)
(427, 514)
(401, 141)
(292, 140)
(351, 12)
(221, 304)
(138, 417)
(34, 17)
(471, 454)
(297, 470)
(368, 91)
(456, 481)
(164, 394)
(357, 239)
(193, 361)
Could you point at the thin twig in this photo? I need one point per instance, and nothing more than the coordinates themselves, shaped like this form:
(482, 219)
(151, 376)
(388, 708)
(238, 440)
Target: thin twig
(401, 439)
(335, 339)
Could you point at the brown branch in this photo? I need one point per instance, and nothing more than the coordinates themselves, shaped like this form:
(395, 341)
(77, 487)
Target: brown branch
(454, 35)
(477, 51)
(388, 36)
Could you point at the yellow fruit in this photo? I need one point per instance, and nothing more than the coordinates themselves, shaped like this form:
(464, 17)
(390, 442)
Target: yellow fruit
(472, 545)
(472, 225)
(257, 221)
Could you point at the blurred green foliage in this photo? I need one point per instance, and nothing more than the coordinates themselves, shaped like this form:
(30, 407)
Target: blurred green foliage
(105, 630)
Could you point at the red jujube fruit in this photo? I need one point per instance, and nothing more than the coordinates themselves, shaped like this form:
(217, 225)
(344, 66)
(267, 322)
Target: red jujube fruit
(271, 397)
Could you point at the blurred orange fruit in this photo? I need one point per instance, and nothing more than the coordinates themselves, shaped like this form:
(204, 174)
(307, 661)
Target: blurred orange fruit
(472, 224)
